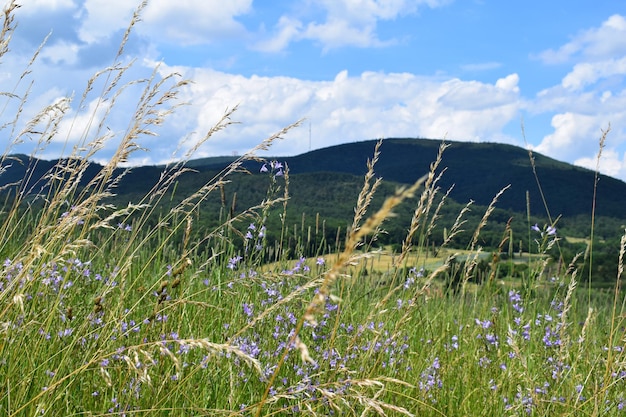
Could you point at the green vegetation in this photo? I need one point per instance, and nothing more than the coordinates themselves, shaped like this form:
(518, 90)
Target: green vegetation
(220, 293)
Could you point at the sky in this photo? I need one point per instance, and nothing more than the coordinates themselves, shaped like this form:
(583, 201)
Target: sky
(548, 75)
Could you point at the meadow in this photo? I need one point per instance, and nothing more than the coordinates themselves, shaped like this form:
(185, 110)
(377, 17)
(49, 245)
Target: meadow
(105, 311)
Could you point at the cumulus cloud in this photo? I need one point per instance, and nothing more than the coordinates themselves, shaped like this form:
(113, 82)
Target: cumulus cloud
(347, 108)
(185, 22)
(587, 73)
(610, 163)
(589, 98)
(594, 44)
(101, 18)
(572, 132)
(340, 23)
(61, 52)
(204, 21)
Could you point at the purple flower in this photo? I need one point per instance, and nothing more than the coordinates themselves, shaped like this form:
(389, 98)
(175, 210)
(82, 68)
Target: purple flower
(551, 231)
(247, 309)
(484, 324)
(535, 228)
(65, 332)
(455, 342)
(264, 168)
(492, 339)
(232, 262)
(514, 296)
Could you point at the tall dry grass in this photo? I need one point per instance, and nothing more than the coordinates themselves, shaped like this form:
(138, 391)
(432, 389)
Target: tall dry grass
(105, 312)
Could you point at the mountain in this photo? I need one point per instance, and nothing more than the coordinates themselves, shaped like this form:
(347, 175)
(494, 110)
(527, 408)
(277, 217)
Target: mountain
(477, 171)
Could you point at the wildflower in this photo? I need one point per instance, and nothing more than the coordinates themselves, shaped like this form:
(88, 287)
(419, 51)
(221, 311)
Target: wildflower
(232, 262)
(455, 342)
(320, 261)
(264, 168)
(550, 230)
(65, 332)
(409, 281)
(484, 324)
(492, 339)
(492, 385)
(279, 173)
(247, 309)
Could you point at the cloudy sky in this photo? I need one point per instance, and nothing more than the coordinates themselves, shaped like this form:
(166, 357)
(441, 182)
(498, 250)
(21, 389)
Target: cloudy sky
(467, 70)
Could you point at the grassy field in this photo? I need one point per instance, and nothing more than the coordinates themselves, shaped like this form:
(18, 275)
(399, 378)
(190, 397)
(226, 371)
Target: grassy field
(105, 311)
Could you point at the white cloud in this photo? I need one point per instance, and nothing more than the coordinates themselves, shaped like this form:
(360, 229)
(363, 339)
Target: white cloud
(594, 44)
(575, 135)
(287, 29)
(184, 22)
(335, 33)
(194, 21)
(372, 10)
(348, 108)
(61, 52)
(589, 98)
(587, 73)
(610, 163)
(101, 18)
(577, 122)
(344, 23)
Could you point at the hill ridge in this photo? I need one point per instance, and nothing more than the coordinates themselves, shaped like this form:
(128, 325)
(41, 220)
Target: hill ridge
(477, 171)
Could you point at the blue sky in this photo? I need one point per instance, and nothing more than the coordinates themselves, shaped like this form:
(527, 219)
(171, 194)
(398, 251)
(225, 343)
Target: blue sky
(468, 70)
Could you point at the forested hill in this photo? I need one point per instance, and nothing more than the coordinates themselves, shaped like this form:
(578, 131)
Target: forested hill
(477, 170)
